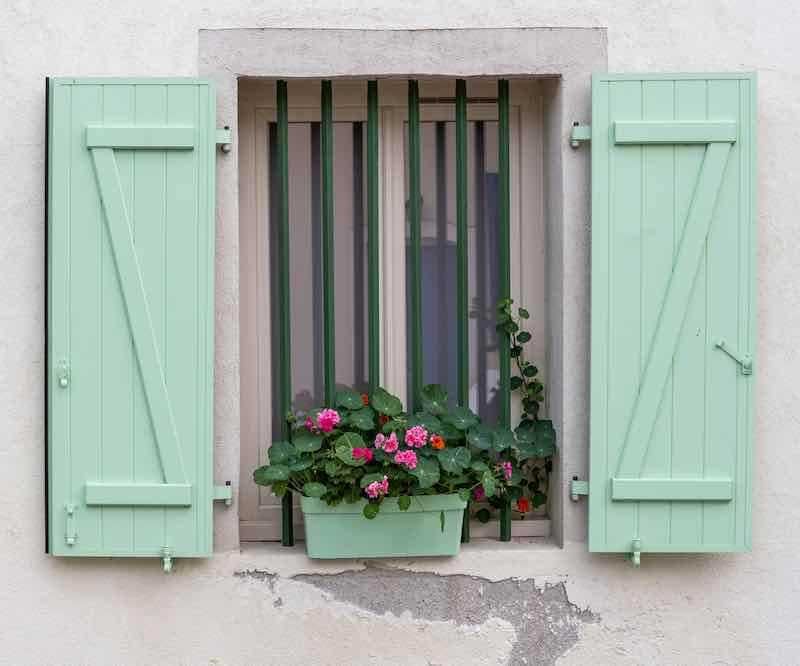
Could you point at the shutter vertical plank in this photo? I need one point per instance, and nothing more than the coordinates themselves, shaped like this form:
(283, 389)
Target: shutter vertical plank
(672, 244)
(689, 392)
(147, 215)
(119, 374)
(658, 249)
(130, 317)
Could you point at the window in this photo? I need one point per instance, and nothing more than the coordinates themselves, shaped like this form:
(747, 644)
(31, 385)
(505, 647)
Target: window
(262, 309)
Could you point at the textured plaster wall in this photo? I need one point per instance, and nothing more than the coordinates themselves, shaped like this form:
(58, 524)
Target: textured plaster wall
(256, 606)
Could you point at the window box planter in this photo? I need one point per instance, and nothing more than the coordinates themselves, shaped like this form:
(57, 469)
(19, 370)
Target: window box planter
(430, 526)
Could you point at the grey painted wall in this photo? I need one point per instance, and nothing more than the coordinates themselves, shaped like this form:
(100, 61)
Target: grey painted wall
(269, 605)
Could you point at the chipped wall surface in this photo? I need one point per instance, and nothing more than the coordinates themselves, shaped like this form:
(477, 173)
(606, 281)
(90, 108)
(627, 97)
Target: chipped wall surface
(495, 604)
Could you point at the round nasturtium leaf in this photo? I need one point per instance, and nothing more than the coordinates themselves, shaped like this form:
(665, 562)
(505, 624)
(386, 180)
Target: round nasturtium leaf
(349, 399)
(269, 474)
(314, 489)
(386, 403)
(371, 510)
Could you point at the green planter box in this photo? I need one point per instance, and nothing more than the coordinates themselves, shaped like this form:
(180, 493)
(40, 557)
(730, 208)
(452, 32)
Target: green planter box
(342, 531)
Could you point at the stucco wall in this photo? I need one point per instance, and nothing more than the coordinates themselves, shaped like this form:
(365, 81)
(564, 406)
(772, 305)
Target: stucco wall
(255, 606)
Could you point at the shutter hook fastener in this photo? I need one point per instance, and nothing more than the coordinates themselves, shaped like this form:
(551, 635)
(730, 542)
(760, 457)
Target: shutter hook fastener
(224, 139)
(579, 133)
(166, 559)
(745, 361)
(62, 372)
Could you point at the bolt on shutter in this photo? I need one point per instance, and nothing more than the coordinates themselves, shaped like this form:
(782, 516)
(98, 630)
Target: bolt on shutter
(672, 324)
(130, 316)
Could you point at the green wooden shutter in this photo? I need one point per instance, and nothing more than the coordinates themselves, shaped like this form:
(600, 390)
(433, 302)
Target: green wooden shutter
(130, 316)
(673, 335)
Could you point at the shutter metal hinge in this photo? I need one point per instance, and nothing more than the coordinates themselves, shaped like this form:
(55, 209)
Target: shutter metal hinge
(224, 493)
(578, 488)
(224, 139)
(579, 133)
(745, 361)
(71, 531)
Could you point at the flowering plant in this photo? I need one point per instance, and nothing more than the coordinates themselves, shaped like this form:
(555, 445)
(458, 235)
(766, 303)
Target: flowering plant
(367, 447)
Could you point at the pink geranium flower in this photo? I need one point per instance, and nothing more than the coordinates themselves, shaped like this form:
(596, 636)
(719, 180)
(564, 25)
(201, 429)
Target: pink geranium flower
(377, 489)
(310, 425)
(416, 437)
(508, 470)
(388, 444)
(328, 419)
(362, 452)
(406, 458)
(478, 494)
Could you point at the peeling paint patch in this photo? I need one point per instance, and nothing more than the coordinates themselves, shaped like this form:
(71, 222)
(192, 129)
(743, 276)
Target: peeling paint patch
(259, 574)
(545, 620)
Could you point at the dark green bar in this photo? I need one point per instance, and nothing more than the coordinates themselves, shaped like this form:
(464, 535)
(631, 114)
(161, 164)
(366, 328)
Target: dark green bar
(504, 241)
(373, 247)
(462, 263)
(465, 526)
(505, 521)
(415, 245)
(285, 363)
(328, 322)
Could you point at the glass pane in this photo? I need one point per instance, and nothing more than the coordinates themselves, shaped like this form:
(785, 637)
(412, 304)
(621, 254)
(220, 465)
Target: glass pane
(305, 270)
(438, 260)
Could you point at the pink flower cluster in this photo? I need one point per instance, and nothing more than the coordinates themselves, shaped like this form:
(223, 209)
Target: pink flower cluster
(508, 470)
(362, 452)
(479, 494)
(416, 437)
(377, 489)
(407, 458)
(328, 419)
(388, 444)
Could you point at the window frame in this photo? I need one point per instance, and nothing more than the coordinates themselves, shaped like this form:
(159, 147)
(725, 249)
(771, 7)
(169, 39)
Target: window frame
(259, 513)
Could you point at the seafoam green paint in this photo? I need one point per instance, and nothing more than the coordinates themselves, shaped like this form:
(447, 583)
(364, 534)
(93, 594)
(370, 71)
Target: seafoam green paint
(673, 243)
(130, 316)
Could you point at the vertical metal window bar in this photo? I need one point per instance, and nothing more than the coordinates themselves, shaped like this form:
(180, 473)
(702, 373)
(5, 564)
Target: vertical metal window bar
(328, 323)
(373, 313)
(285, 365)
(504, 279)
(462, 262)
(415, 246)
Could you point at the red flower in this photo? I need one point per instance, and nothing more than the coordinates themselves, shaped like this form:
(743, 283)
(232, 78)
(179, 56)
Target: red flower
(365, 399)
(437, 442)
(383, 419)
(523, 505)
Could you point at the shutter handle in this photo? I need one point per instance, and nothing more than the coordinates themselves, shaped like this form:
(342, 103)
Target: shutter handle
(63, 374)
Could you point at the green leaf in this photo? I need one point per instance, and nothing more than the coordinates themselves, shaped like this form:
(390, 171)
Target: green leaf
(515, 351)
(502, 439)
(300, 465)
(386, 403)
(479, 466)
(462, 418)
(371, 510)
(370, 478)
(464, 494)
(483, 515)
(332, 468)
(454, 459)
(523, 336)
(269, 474)
(403, 502)
(537, 440)
(434, 399)
(349, 398)
(426, 472)
(515, 383)
(306, 441)
(480, 437)
(313, 489)
(279, 488)
(488, 483)
(281, 452)
(523, 313)
(343, 448)
(538, 499)
(427, 421)
(530, 371)
(450, 432)
(362, 419)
